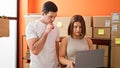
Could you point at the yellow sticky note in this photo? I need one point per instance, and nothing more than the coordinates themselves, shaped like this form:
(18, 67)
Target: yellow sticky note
(101, 31)
(117, 40)
(59, 24)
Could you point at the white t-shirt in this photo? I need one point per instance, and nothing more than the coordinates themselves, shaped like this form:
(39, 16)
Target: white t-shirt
(47, 57)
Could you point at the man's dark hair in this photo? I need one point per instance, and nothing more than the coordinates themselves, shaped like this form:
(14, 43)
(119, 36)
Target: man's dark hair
(49, 6)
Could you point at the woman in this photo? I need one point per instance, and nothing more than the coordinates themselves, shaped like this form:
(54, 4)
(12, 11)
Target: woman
(76, 41)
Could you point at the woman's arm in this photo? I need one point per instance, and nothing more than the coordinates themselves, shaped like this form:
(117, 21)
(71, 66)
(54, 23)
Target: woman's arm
(90, 43)
(63, 54)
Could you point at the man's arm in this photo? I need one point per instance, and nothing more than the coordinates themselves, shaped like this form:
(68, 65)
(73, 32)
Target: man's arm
(35, 44)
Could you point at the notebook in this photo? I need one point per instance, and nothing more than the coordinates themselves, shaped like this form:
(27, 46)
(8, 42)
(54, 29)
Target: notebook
(90, 59)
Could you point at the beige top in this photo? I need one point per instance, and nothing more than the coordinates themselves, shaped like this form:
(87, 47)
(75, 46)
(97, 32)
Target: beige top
(75, 45)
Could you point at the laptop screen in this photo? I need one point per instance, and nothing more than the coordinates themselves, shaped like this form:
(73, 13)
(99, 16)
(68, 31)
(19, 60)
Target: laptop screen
(90, 59)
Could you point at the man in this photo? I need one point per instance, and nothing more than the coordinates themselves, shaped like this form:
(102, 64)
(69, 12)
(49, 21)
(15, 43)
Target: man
(43, 38)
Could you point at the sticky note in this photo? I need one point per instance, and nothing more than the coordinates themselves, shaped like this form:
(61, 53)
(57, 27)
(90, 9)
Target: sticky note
(101, 32)
(117, 40)
(59, 24)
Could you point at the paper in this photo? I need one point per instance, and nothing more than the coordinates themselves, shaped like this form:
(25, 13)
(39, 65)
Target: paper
(107, 23)
(117, 40)
(101, 32)
(4, 27)
(59, 24)
(115, 17)
(114, 28)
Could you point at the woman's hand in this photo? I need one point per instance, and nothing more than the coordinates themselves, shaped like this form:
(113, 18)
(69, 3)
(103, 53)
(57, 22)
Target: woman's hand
(70, 64)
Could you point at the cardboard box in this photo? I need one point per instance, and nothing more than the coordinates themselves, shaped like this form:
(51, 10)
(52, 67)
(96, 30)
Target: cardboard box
(105, 47)
(105, 61)
(115, 40)
(101, 32)
(88, 21)
(89, 32)
(62, 23)
(115, 56)
(4, 27)
(101, 21)
(31, 17)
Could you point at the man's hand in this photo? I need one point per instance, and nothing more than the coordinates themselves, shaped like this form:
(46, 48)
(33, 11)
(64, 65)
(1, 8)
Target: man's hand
(49, 28)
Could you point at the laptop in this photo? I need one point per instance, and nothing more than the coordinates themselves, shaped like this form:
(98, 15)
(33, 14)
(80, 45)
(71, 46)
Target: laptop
(90, 59)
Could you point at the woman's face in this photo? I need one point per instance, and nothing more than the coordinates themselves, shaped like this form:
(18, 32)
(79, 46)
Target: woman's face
(77, 29)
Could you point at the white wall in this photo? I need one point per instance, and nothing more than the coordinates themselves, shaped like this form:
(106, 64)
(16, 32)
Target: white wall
(8, 47)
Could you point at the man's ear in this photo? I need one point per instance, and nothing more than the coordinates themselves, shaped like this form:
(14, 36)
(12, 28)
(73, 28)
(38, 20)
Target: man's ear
(42, 13)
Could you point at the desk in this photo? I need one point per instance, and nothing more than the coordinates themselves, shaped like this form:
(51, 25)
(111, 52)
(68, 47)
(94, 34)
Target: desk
(106, 42)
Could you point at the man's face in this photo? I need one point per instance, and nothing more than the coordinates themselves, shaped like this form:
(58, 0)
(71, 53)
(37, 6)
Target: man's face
(49, 17)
